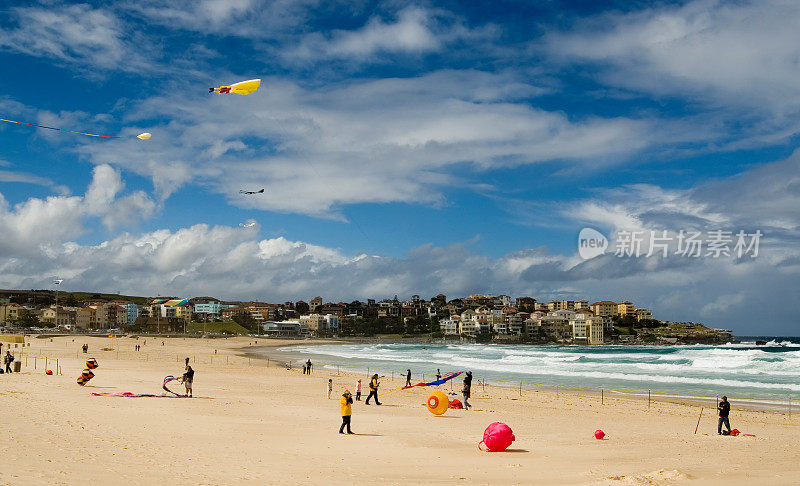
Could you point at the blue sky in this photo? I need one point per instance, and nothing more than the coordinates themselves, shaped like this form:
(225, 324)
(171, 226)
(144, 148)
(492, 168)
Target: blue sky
(404, 148)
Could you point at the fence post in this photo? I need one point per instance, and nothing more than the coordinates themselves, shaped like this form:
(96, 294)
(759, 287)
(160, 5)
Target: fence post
(602, 400)
(337, 370)
(648, 398)
(484, 383)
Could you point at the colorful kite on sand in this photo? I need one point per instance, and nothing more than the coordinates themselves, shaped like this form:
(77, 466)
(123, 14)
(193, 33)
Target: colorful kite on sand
(141, 136)
(447, 377)
(242, 88)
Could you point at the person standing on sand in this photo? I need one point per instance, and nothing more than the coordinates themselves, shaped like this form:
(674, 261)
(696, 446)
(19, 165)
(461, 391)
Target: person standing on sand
(8, 359)
(373, 390)
(724, 408)
(465, 390)
(438, 374)
(330, 387)
(345, 404)
(188, 378)
(305, 369)
(358, 390)
(308, 365)
(408, 377)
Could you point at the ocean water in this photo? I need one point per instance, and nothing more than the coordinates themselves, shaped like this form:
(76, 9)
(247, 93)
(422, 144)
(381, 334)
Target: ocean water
(737, 370)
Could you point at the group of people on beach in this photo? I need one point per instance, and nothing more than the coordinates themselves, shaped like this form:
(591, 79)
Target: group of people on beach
(346, 400)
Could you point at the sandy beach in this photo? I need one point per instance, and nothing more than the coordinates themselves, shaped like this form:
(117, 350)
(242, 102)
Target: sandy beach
(253, 423)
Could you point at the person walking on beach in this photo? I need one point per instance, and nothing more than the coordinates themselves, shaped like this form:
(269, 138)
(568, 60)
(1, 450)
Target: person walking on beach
(358, 390)
(8, 359)
(188, 378)
(724, 408)
(345, 404)
(308, 365)
(408, 377)
(330, 387)
(373, 390)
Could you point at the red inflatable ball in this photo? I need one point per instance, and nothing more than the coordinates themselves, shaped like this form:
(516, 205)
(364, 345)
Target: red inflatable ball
(599, 434)
(497, 437)
(48, 372)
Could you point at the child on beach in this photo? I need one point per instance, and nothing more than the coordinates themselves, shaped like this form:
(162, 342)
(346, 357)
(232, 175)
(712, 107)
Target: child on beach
(345, 404)
(330, 387)
(358, 390)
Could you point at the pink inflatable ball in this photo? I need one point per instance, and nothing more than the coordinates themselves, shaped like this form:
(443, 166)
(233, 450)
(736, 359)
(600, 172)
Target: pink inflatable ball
(599, 434)
(497, 437)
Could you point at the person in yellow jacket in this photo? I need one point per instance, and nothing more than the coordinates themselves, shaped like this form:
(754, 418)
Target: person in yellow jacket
(373, 390)
(345, 404)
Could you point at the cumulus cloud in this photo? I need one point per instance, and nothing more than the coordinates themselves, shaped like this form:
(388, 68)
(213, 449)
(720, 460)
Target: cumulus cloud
(235, 262)
(38, 225)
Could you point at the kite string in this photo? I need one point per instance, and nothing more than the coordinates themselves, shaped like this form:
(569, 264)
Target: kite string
(59, 129)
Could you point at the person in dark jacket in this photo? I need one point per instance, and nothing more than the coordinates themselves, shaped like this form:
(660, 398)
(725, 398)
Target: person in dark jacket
(408, 377)
(188, 378)
(8, 359)
(724, 409)
(373, 389)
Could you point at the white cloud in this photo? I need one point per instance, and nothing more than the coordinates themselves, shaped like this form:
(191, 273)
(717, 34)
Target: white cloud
(389, 140)
(411, 32)
(234, 262)
(24, 177)
(74, 33)
(740, 54)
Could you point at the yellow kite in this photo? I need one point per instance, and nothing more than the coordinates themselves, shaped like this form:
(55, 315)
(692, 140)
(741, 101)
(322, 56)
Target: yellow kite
(242, 88)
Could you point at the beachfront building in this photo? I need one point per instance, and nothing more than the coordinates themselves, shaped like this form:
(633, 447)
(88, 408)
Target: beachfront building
(557, 305)
(106, 316)
(58, 316)
(556, 324)
(450, 326)
(586, 330)
(643, 314)
(9, 312)
(133, 312)
(604, 308)
(284, 328)
(314, 303)
(171, 309)
(515, 323)
(212, 309)
(625, 309)
(86, 317)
